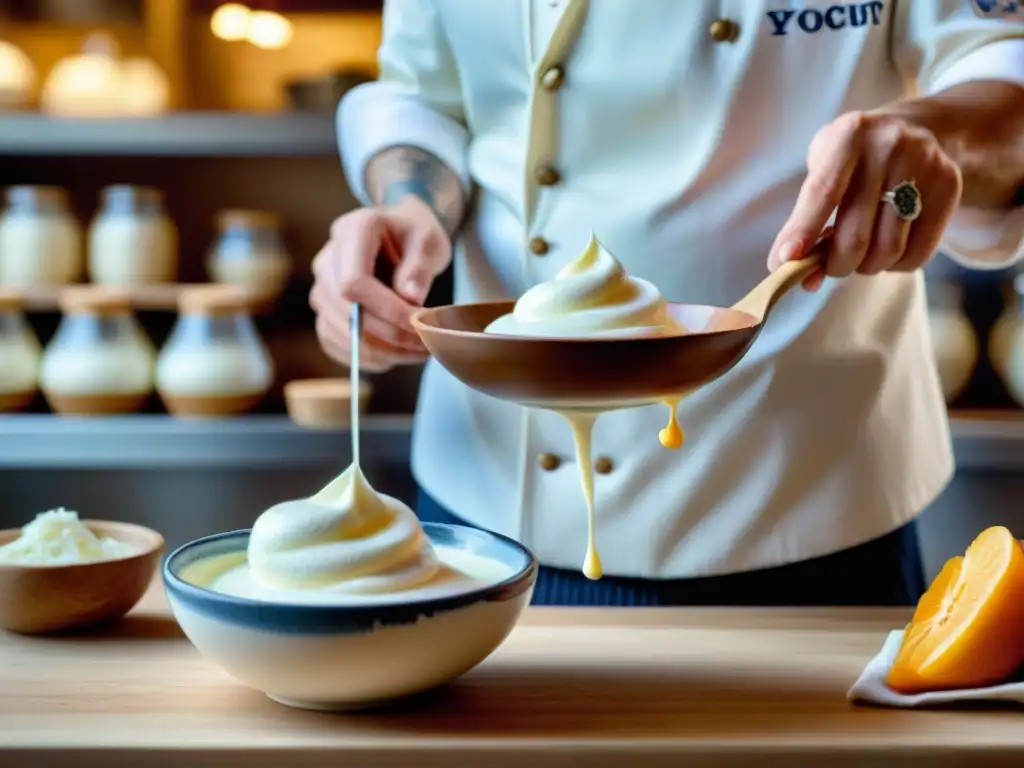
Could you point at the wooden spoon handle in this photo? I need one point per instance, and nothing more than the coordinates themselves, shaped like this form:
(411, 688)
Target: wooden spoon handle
(759, 302)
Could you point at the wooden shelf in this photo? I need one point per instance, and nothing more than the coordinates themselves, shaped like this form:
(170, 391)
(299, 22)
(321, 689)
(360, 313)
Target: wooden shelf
(159, 298)
(185, 134)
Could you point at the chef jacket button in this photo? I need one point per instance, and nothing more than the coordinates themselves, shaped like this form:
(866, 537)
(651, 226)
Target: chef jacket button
(547, 176)
(539, 246)
(724, 30)
(603, 465)
(553, 78)
(549, 462)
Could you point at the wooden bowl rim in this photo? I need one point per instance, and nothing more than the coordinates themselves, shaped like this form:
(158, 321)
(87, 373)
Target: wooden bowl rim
(420, 320)
(156, 544)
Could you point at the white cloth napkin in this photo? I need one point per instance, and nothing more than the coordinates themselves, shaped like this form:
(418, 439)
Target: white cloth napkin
(870, 687)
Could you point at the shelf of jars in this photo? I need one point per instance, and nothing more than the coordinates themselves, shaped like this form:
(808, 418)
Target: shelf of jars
(206, 359)
(102, 368)
(979, 354)
(977, 336)
(131, 246)
(101, 361)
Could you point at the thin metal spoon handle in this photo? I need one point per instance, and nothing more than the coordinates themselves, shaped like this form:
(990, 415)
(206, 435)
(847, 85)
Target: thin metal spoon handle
(354, 378)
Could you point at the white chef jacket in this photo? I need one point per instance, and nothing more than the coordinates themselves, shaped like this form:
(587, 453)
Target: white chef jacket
(684, 153)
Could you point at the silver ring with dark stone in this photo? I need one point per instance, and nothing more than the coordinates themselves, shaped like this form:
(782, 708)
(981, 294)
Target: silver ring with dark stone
(905, 199)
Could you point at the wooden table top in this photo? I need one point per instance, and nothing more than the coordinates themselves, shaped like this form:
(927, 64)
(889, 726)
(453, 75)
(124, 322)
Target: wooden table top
(589, 687)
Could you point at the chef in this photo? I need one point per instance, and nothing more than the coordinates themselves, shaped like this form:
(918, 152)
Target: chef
(704, 142)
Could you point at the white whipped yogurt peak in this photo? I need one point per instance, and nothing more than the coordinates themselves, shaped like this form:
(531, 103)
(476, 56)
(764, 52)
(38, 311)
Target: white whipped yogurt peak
(347, 538)
(591, 296)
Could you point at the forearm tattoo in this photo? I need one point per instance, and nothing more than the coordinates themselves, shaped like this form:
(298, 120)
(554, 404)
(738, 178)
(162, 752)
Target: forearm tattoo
(401, 171)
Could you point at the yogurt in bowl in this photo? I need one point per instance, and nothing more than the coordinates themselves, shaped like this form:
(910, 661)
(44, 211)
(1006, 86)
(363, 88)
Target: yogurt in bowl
(345, 600)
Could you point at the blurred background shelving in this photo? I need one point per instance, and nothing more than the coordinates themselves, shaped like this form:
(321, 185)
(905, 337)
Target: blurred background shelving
(206, 72)
(249, 124)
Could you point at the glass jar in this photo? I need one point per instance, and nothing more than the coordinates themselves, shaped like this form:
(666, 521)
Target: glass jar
(249, 253)
(85, 84)
(99, 361)
(17, 77)
(40, 239)
(1000, 337)
(954, 341)
(145, 88)
(19, 354)
(214, 363)
(132, 240)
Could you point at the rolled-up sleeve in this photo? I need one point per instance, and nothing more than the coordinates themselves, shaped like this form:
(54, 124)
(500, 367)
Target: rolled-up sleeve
(417, 100)
(941, 43)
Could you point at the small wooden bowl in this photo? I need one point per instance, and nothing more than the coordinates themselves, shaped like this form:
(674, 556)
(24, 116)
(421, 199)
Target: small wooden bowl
(47, 598)
(556, 372)
(323, 403)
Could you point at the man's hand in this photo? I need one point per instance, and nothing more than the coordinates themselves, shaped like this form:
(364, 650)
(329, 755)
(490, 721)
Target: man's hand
(343, 273)
(852, 162)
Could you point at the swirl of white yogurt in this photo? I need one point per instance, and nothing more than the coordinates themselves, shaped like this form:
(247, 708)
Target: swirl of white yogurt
(592, 296)
(347, 539)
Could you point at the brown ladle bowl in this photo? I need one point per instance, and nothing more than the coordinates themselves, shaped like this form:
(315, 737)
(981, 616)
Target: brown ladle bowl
(580, 373)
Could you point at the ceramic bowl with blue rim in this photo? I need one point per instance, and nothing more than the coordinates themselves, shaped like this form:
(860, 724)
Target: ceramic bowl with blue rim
(329, 657)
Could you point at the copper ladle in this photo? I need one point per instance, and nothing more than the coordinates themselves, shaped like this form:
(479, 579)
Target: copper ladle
(578, 373)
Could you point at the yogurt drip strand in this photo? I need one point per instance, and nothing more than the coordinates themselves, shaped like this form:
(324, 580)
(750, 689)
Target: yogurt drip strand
(353, 372)
(672, 435)
(582, 429)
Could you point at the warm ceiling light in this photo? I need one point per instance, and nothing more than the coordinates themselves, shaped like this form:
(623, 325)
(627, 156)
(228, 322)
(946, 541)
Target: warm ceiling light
(231, 21)
(269, 30)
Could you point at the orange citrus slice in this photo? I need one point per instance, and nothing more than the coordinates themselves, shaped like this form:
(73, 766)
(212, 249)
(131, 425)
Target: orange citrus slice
(968, 629)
